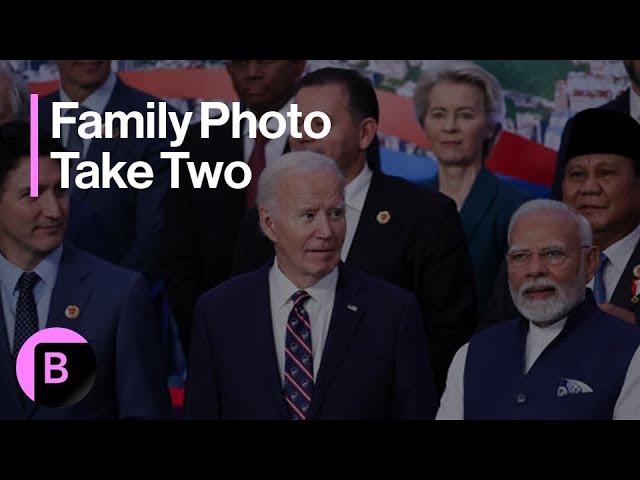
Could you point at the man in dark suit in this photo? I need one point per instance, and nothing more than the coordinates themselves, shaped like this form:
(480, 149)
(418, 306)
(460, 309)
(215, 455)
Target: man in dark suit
(628, 102)
(407, 235)
(202, 224)
(134, 219)
(113, 309)
(305, 336)
(601, 181)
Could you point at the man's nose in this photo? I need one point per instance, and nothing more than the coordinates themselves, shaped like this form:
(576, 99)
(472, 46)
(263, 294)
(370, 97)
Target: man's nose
(536, 267)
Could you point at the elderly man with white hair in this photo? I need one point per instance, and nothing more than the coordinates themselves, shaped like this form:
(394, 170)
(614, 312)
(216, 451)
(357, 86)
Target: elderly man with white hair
(564, 358)
(305, 336)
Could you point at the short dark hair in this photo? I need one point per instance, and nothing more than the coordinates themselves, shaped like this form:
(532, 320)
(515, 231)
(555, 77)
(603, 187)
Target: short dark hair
(15, 143)
(363, 102)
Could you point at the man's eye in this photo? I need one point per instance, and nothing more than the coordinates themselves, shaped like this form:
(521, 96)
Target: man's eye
(337, 213)
(553, 254)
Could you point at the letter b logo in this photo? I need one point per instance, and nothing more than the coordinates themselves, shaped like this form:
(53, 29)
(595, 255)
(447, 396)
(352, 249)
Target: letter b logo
(59, 367)
(56, 367)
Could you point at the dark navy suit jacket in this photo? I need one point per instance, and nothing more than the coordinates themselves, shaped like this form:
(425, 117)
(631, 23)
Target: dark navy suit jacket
(133, 218)
(375, 363)
(117, 319)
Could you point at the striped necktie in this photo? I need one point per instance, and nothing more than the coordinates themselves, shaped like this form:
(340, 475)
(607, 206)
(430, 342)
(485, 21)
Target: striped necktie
(298, 365)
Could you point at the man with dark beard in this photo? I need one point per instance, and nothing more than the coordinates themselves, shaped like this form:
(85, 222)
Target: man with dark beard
(564, 357)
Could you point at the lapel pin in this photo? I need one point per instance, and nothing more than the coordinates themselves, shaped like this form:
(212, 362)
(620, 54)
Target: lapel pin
(352, 307)
(72, 311)
(635, 299)
(383, 217)
(636, 271)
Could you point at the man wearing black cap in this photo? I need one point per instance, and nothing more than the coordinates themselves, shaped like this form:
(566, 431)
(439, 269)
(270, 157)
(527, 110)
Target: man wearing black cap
(602, 182)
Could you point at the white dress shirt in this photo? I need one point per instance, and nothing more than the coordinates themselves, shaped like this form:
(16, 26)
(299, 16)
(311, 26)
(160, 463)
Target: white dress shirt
(47, 270)
(319, 307)
(274, 148)
(96, 102)
(634, 105)
(618, 254)
(355, 194)
(538, 339)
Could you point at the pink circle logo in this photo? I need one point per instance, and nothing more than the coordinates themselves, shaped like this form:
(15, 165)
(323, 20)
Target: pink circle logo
(56, 367)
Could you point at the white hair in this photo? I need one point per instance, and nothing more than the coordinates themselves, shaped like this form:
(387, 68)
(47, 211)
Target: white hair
(291, 163)
(545, 205)
(18, 94)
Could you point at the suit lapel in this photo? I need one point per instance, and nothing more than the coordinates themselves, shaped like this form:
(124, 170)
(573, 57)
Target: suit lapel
(622, 295)
(479, 201)
(345, 319)
(371, 235)
(74, 285)
(261, 336)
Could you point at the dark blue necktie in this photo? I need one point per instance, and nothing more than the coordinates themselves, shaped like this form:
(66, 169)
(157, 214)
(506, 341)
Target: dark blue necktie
(599, 290)
(26, 311)
(298, 364)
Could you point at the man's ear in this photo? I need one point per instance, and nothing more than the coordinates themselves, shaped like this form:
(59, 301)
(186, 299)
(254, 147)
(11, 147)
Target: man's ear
(267, 223)
(298, 68)
(593, 254)
(368, 130)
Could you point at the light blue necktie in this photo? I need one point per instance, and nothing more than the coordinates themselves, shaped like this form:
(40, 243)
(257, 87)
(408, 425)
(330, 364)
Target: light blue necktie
(599, 290)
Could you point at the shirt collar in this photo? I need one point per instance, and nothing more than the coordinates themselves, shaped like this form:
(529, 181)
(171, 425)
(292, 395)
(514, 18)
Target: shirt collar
(355, 193)
(47, 270)
(550, 332)
(272, 123)
(98, 100)
(322, 291)
(620, 252)
(634, 104)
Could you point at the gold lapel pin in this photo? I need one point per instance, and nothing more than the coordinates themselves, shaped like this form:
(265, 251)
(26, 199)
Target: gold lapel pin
(352, 307)
(635, 299)
(72, 311)
(383, 217)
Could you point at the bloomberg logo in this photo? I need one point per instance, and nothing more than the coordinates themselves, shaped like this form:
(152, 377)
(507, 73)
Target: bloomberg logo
(56, 367)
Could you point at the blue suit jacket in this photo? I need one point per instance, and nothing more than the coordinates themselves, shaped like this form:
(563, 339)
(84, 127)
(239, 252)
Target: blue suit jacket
(117, 319)
(485, 217)
(375, 363)
(133, 218)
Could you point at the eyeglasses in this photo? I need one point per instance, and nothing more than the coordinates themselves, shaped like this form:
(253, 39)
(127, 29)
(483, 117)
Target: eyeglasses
(548, 256)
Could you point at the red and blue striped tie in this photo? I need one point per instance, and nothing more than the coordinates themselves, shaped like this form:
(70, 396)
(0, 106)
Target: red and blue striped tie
(298, 364)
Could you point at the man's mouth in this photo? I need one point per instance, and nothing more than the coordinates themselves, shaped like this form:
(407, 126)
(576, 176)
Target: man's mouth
(539, 292)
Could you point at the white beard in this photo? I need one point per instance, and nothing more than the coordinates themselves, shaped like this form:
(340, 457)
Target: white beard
(552, 309)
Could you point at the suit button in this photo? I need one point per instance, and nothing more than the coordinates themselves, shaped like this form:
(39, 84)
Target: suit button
(521, 398)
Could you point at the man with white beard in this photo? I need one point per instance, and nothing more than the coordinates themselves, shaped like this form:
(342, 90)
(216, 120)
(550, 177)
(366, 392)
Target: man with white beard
(563, 358)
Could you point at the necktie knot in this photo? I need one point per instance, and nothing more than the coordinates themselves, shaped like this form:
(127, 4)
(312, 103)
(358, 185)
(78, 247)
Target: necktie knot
(602, 261)
(260, 140)
(27, 282)
(299, 297)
